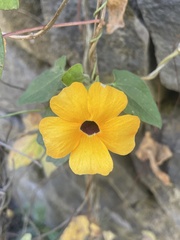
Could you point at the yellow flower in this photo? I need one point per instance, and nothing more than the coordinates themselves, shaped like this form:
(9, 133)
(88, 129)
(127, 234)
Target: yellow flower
(87, 126)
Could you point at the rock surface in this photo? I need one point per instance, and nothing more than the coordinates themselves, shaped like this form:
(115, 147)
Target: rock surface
(19, 70)
(119, 203)
(161, 18)
(126, 48)
(129, 48)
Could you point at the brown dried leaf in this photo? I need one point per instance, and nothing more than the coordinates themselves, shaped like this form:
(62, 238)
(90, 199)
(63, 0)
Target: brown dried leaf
(156, 153)
(161, 152)
(31, 121)
(116, 10)
(159, 174)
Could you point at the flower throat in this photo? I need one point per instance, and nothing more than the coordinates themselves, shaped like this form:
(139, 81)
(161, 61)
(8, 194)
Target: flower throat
(89, 127)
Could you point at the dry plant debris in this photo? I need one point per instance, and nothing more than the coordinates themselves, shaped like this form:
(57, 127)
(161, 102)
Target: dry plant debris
(28, 145)
(156, 153)
(26, 236)
(148, 235)
(116, 10)
(80, 228)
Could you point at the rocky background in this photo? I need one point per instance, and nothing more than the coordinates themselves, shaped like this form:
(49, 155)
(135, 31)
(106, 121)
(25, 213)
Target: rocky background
(131, 202)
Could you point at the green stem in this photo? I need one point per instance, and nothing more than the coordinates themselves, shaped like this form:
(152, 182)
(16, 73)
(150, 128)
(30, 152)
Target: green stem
(162, 64)
(100, 14)
(100, 8)
(21, 112)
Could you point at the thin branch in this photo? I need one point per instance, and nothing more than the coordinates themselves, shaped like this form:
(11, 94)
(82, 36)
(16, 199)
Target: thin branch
(87, 33)
(15, 35)
(21, 112)
(76, 212)
(162, 64)
(21, 153)
(100, 14)
(47, 26)
(11, 85)
(52, 21)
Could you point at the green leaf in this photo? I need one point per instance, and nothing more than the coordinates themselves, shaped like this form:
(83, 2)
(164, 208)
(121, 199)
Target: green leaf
(47, 113)
(140, 100)
(2, 53)
(74, 74)
(40, 139)
(46, 85)
(57, 162)
(9, 4)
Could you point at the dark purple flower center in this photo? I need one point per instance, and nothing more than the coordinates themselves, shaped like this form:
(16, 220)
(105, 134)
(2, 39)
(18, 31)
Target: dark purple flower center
(89, 127)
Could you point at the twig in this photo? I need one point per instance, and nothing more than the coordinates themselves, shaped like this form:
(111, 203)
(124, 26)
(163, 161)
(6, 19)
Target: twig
(100, 14)
(163, 177)
(46, 27)
(78, 210)
(21, 153)
(20, 112)
(162, 64)
(58, 25)
(4, 195)
(12, 86)
(87, 33)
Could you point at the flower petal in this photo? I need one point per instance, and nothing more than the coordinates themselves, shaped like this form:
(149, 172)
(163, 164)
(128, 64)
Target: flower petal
(60, 137)
(91, 157)
(118, 134)
(105, 102)
(71, 103)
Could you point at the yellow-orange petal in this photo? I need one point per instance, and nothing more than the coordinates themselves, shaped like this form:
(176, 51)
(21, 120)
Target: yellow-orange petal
(118, 134)
(60, 137)
(90, 157)
(105, 102)
(71, 103)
